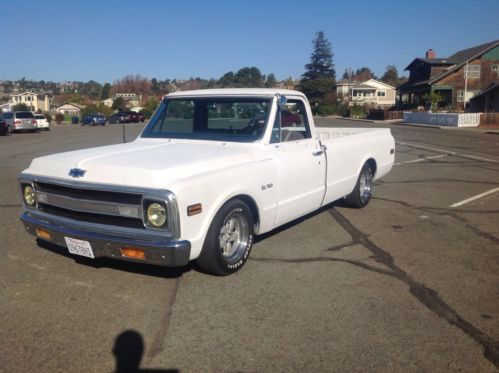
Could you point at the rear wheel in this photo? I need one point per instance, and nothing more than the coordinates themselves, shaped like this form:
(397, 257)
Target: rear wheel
(362, 192)
(229, 239)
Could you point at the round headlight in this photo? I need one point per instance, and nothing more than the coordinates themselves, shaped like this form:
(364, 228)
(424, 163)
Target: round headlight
(29, 195)
(156, 215)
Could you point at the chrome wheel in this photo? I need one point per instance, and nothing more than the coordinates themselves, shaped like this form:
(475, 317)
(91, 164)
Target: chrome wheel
(234, 236)
(365, 185)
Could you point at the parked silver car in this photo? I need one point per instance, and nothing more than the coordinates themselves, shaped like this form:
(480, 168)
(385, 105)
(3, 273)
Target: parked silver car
(20, 121)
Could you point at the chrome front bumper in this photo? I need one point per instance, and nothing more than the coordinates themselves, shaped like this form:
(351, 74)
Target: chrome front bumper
(158, 250)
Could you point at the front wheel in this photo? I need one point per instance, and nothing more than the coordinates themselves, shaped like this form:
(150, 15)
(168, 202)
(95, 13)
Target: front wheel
(229, 239)
(363, 189)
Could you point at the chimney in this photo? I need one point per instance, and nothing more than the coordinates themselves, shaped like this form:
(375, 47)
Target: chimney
(430, 53)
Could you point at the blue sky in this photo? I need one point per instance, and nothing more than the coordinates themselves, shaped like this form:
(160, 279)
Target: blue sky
(106, 40)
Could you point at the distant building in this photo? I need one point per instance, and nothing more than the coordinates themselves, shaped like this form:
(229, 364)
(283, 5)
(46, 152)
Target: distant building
(70, 109)
(372, 92)
(32, 100)
(131, 99)
(456, 78)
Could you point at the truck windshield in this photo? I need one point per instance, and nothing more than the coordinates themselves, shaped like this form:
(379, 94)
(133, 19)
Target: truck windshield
(218, 119)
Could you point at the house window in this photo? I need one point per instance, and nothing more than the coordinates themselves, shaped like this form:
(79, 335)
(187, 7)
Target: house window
(472, 72)
(495, 68)
(460, 96)
(381, 93)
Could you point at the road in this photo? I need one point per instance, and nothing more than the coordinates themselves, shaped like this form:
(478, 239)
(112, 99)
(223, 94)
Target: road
(407, 284)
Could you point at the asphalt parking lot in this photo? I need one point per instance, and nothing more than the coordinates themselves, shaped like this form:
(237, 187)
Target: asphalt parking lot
(410, 283)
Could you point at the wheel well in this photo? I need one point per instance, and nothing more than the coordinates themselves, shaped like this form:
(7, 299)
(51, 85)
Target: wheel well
(372, 163)
(251, 204)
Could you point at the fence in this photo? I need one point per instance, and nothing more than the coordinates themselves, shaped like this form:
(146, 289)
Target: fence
(380, 114)
(489, 118)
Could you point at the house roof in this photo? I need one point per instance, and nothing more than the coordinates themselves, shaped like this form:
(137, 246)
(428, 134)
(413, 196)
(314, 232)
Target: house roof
(490, 88)
(432, 62)
(473, 52)
(68, 104)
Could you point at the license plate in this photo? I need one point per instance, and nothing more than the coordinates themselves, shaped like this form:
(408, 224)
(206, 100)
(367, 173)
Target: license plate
(79, 247)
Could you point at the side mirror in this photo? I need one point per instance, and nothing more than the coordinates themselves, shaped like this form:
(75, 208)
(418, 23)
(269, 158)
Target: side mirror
(281, 100)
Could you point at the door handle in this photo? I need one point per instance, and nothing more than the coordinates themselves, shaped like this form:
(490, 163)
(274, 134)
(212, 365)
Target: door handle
(318, 152)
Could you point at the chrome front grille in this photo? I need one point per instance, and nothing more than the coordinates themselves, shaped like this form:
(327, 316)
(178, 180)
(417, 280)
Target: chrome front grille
(90, 205)
(115, 208)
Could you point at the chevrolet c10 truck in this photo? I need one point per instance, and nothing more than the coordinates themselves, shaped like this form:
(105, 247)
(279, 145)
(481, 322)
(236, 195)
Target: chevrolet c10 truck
(211, 169)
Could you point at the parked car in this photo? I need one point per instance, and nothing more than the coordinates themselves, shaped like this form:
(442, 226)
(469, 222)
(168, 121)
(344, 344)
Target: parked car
(94, 120)
(4, 128)
(20, 121)
(120, 117)
(142, 117)
(42, 122)
(133, 115)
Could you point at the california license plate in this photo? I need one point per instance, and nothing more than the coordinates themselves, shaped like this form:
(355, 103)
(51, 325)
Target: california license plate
(79, 247)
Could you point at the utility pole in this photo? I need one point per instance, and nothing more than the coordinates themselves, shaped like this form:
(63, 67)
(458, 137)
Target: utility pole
(349, 84)
(465, 85)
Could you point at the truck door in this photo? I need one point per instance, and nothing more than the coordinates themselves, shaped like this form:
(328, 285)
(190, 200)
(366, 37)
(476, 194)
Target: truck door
(301, 164)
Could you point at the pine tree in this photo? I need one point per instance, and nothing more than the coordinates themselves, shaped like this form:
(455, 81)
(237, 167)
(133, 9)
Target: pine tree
(319, 79)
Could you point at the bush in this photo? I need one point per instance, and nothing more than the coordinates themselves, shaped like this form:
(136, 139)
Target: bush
(59, 118)
(20, 107)
(358, 111)
(49, 117)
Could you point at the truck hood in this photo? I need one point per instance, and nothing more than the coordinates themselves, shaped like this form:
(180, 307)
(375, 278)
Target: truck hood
(148, 163)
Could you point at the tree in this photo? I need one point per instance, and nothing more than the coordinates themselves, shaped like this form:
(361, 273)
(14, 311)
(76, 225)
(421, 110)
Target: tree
(119, 104)
(132, 84)
(346, 75)
(363, 74)
(391, 76)
(271, 81)
(151, 105)
(434, 98)
(106, 91)
(250, 77)
(227, 80)
(319, 79)
(91, 89)
(20, 107)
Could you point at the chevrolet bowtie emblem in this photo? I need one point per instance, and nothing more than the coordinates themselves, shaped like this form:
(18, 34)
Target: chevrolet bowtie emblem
(77, 172)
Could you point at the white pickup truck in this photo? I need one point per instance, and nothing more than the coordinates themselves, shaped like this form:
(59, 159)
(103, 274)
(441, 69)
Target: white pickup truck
(212, 169)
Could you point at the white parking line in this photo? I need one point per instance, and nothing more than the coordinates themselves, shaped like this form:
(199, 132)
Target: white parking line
(457, 204)
(421, 159)
(449, 152)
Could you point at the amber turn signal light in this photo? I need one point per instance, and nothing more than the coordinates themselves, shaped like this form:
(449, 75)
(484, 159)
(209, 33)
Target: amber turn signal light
(42, 233)
(131, 252)
(194, 209)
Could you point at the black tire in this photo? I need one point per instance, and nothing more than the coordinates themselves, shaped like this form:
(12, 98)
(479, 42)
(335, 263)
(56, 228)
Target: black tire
(229, 239)
(361, 194)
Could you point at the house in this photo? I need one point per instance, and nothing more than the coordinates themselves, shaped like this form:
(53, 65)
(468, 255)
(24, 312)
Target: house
(131, 99)
(456, 78)
(486, 101)
(70, 109)
(371, 92)
(32, 100)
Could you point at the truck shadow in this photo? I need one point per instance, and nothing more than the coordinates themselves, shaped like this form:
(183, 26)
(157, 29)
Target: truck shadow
(291, 224)
(134, 267)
